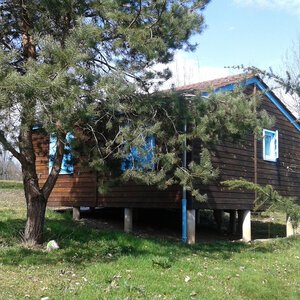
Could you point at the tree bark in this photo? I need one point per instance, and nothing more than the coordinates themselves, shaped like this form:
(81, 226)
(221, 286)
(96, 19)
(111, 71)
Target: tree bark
(36, 197)
(35, 200)
(36, 208)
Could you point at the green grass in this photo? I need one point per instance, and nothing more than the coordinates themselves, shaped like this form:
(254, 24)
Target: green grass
(95, 264)
(11, 184)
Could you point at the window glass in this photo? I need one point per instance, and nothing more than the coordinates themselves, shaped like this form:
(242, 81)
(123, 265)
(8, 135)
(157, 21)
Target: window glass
(67, 166)
(270, 145)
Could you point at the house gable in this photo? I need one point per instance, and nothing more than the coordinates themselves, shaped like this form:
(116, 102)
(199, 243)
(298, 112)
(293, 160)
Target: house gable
(265, 90)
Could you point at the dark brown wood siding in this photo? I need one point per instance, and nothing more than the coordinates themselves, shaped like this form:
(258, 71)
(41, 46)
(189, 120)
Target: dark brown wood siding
(237, 161)
(284, 174)
(234, 160)
(133, 195)
(81, 187)
(77, 189)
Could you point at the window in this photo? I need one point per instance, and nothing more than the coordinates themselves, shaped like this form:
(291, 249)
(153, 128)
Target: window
(67, 162)
(140, 161)
(270, 145)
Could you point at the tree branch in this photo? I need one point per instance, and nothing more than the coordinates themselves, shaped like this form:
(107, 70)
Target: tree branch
(137, 15)
(52, 177)
(8, 146)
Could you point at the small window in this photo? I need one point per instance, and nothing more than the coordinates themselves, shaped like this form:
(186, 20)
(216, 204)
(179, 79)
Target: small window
(67, 162)
(270, 145)
(140, 161)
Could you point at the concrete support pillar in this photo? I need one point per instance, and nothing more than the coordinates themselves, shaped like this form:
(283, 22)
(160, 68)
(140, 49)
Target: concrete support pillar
(246, 227)
(240, 221)
(76, 213)
(232, 222)
(289, 226)
(219, 217)
(191, 226)
(128, 220)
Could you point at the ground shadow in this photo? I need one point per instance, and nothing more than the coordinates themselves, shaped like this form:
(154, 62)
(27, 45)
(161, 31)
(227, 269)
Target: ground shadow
(82, 242)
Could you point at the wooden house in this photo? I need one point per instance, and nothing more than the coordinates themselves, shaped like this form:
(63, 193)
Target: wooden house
(274, 160)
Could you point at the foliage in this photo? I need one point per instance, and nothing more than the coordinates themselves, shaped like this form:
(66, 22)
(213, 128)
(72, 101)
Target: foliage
(227, 116)
(61, 62)
(268, 198)
(288, 80)
(86, 66)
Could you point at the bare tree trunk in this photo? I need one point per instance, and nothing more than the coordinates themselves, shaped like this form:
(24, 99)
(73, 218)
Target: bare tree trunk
(36, 197)
(35, 200)
(36, 208)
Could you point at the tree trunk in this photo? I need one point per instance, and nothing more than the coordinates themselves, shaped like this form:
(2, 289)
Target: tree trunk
(35, 200)
(36, 208)
(36, 197)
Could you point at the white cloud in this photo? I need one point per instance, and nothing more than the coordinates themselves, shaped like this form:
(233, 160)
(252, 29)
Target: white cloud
(290, 6)
(188, 70)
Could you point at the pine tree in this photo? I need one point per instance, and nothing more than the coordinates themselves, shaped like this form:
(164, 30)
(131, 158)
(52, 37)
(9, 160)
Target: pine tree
(212, 120)
(60, 60)
(268, 199)
(86, 66)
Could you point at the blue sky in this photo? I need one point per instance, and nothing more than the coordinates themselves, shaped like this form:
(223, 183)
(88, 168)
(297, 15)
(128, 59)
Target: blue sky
(249, 32)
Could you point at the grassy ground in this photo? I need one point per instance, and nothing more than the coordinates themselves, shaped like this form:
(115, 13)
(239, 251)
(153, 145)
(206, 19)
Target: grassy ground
(96, 264)
(11, 184)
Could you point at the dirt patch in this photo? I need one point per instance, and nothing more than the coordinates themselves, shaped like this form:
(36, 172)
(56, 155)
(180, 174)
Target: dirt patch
(161, 224)
(166, 225)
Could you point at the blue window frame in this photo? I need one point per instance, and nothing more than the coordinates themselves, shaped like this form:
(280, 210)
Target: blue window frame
(140, 161)
(270, 145)
(67, 166)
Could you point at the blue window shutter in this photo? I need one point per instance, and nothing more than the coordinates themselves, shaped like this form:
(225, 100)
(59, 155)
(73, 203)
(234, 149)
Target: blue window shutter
(140, 161)
(52, 149)
(276, 144)
(67, 166)
(150, 146)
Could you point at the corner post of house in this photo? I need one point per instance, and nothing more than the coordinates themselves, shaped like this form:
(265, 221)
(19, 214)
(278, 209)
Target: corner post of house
(246, 226)
(191, 226)
(76, 213)
(289, 226)
(128, 220)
